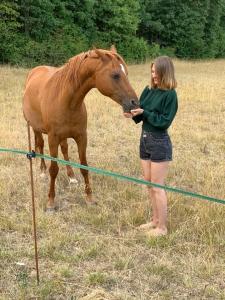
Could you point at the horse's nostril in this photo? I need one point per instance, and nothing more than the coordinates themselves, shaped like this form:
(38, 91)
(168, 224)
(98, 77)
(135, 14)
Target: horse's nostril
(134, 103)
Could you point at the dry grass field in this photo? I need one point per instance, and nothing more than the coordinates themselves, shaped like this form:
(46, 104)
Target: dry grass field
(96, 252)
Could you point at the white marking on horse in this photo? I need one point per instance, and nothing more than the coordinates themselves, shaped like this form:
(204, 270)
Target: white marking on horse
(122, 68)
(43, 175)
(73, 180)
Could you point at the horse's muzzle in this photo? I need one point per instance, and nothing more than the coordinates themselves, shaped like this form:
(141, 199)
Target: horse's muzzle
(129, 105)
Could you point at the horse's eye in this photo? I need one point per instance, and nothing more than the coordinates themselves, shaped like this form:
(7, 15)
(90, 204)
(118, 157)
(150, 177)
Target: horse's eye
(116, 76)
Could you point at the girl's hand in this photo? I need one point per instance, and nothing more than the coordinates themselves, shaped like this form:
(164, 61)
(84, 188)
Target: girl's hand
(137, 111)
(128, 115)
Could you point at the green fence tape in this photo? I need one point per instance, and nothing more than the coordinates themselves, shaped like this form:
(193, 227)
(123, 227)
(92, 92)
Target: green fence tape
(119, 176)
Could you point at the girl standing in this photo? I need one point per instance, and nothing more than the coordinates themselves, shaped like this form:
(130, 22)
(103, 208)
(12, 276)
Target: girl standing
(158, 107)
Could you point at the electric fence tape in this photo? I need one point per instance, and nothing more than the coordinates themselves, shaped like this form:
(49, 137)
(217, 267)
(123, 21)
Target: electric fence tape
(116, 175)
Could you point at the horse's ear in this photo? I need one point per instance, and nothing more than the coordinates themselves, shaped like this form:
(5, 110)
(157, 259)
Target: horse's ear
(113, 49)
(101, 54)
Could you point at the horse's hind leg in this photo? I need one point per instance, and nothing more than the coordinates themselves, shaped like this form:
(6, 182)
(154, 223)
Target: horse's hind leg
(81, 141)
(39, 147)
(53, 170)
(64, 149)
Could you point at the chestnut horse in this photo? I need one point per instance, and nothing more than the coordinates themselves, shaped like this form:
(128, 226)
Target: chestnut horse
(54, 104)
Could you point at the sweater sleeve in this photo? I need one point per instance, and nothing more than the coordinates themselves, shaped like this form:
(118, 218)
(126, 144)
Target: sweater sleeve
(139, 118)
(164, 119)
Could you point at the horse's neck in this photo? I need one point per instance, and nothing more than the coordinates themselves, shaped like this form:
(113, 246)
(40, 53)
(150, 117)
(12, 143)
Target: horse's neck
(82, 82)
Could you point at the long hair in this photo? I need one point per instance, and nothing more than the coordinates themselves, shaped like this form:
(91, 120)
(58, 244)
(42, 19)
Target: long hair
(164, 69)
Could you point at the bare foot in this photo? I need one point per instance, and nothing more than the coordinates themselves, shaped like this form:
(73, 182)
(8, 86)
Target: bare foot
(147, 226)
(157, 232)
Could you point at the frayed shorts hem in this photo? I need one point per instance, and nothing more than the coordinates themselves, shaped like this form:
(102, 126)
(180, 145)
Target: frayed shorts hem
(155, 160)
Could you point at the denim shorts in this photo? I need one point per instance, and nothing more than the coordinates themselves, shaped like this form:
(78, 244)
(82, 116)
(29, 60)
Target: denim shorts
(156, 147)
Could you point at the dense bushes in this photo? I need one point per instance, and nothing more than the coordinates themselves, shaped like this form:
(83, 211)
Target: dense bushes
(36, 32)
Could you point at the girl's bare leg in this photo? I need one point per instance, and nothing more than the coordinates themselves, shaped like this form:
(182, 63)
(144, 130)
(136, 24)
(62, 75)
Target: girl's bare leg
(158, 175)
(146, 168)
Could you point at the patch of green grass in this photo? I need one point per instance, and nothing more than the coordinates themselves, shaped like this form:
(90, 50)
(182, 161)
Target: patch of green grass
(96, 278)
(92, 252)
(22, 278)
(66, 272)
(100, 279)
(123, 264)
(163, 242)
(50, 289)
(162, 270)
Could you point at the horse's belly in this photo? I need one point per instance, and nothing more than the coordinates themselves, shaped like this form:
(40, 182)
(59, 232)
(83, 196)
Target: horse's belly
(65, 132)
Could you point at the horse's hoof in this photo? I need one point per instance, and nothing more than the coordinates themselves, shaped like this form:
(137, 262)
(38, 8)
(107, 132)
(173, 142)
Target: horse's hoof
(91, 203)
(50, 210)
(73, 180)
(43, 175)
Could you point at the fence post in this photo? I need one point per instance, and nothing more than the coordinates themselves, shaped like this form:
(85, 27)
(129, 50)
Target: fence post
(33, 203)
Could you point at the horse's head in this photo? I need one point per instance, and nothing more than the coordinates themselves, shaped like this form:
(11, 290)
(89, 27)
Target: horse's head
(111, 79)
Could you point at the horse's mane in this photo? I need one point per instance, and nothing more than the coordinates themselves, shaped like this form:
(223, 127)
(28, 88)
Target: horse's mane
(69, 72)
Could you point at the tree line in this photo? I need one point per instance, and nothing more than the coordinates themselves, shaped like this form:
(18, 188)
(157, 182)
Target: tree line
(36, 32)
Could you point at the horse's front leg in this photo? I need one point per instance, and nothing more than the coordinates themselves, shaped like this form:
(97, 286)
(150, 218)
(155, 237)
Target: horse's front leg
(64, 149)
(81, 141)
(53, 171)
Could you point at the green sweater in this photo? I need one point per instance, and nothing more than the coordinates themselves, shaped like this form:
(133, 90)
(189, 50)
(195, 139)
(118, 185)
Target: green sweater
(160, 107)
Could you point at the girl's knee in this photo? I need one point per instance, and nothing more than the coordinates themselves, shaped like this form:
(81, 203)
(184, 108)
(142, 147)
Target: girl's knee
(147, 178)
(157, 190)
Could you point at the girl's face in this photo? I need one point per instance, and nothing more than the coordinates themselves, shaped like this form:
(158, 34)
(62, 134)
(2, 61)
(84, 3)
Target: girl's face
(155, 76)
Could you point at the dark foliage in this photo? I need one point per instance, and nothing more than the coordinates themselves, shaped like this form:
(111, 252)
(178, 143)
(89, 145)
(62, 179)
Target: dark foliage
(36, 32)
